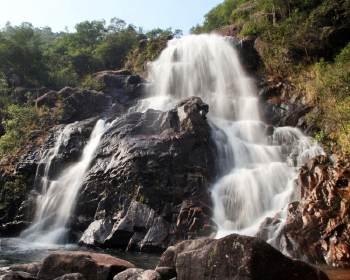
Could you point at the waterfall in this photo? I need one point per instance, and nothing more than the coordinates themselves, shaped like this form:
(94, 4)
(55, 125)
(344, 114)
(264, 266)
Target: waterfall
(258, 164)
(57, 199)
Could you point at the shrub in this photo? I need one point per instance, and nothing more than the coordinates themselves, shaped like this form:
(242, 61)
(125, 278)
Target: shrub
(18, 124)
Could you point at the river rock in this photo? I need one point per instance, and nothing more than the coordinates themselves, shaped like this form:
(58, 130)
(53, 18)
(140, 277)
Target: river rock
(234, 257)
(149, 184)
(137, 274)
(71, 276)
(31, 268)
(91, 265)
(17, 275)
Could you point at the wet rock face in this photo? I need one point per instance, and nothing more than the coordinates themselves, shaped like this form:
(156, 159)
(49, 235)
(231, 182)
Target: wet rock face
(149, 184)
(318, 226)
(234, 257)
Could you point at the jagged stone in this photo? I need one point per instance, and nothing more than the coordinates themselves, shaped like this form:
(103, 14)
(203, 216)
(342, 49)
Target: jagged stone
(317, 226)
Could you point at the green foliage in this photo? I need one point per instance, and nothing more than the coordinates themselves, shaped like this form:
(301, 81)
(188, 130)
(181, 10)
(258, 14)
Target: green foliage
(149, 49)
(112, 52)
(90, 82)
(249, 28)
(12, 193)
(18, 124)
(4, 90)
(219, 16)
(21, 53)
(299, 30)
(332, 85)
(39, 57)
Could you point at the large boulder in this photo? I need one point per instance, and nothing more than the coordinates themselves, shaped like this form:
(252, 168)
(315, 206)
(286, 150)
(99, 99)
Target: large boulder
(74, 104)
(123, 86)
(91, 265)
(234, 257)
(318, 226)
(149, 184)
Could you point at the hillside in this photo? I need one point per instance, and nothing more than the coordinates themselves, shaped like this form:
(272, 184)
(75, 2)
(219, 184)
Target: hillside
(303, 44)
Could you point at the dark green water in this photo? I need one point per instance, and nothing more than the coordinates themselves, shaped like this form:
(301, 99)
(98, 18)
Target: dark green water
(15, 251)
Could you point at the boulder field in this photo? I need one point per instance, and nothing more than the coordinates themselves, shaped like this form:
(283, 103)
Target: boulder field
(233, 257)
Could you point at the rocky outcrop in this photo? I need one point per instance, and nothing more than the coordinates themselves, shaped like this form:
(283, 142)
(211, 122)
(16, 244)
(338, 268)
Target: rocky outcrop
(117, 91)
(280, 106)
(234, 257)
(73, 104)
(91, 266)
(123, 86)
(149, 184)
(317, 226)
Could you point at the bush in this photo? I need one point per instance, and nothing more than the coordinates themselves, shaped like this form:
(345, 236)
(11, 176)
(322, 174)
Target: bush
(18, 124)
(332, 85)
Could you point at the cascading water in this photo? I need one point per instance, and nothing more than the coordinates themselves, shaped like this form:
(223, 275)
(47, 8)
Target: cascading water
(258, 168)
(57, 199)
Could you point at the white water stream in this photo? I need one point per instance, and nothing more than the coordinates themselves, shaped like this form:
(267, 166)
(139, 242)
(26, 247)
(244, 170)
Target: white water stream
(58, 196)
(258, 169)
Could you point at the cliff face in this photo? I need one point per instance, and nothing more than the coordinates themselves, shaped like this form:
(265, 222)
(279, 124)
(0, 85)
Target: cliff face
(319, 223)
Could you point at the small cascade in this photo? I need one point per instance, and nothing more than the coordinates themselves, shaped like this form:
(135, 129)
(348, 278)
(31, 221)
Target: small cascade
(58, 195)
(258, 163)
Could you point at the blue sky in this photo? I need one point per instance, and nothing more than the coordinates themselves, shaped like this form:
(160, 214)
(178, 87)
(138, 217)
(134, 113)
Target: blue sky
(58, 14)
